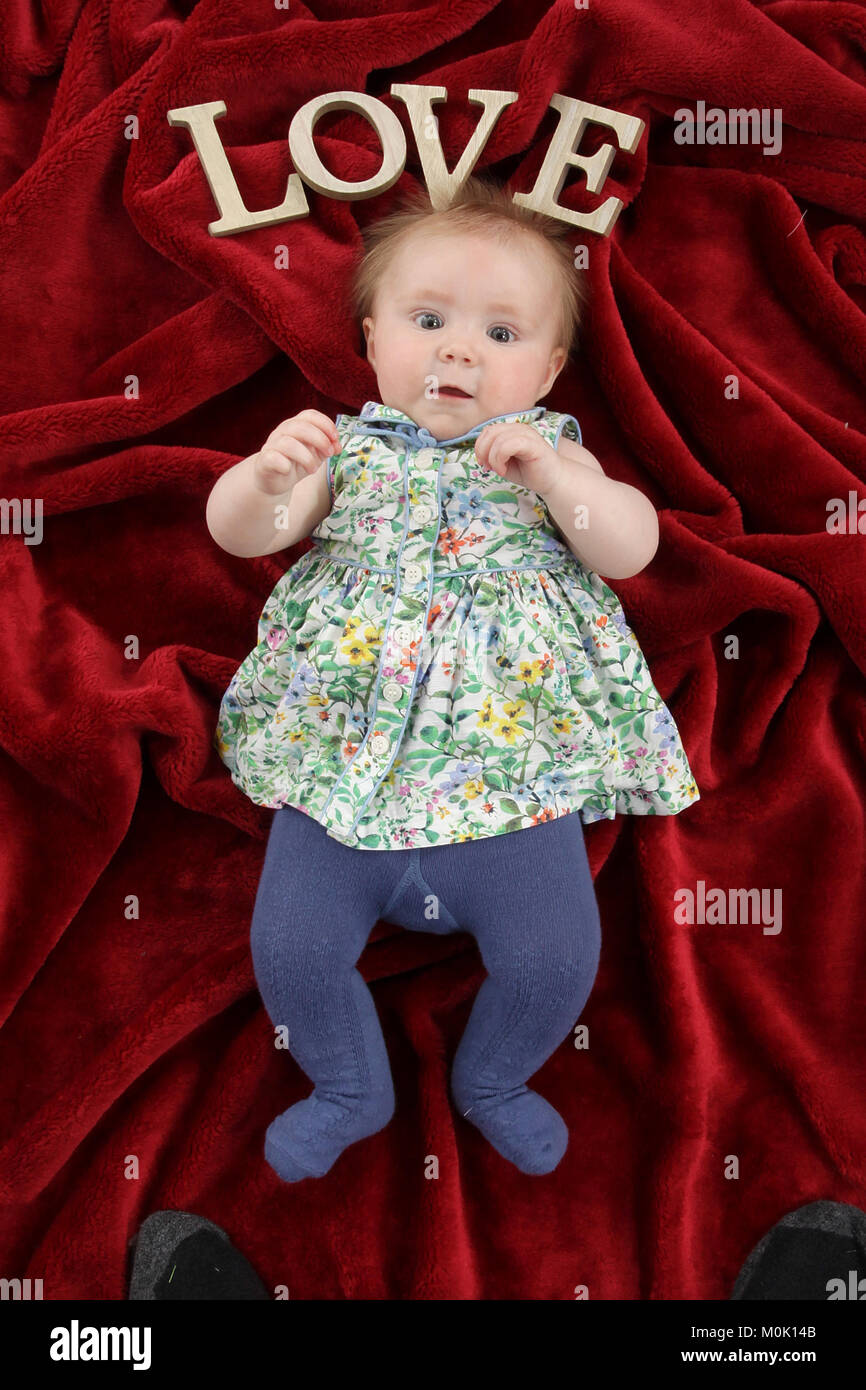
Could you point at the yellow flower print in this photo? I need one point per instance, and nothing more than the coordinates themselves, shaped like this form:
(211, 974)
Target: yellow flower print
(486, 716)
(473, 788)
(356, 473)
(529, 671)
(508, 730)
(317, 700)
(562, 726)
(351, 624)
(295, 737)
(359, 649)
(514, 708)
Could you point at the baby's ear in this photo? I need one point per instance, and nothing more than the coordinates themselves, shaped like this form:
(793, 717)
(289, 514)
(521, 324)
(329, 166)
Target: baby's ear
(563, 355)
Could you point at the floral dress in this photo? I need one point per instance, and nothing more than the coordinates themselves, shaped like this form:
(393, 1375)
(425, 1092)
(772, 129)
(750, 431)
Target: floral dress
(439, 666)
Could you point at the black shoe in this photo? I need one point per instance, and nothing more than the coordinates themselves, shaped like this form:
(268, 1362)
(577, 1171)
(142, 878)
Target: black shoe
(177, 1255)
(816, 1252)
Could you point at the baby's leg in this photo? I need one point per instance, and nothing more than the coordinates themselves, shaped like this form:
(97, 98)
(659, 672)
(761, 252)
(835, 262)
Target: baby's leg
(528, 899)
(317, 903)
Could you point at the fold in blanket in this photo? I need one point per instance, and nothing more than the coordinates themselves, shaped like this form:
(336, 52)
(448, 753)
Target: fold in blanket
(721, 371)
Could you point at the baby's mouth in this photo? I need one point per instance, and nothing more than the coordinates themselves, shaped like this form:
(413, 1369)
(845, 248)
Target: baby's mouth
(455, 392)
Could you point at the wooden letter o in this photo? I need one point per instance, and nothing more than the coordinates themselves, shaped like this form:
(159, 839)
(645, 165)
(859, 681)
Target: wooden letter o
(310, 167)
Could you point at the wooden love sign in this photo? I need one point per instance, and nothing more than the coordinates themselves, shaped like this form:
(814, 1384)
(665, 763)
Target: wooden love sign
(442, 186)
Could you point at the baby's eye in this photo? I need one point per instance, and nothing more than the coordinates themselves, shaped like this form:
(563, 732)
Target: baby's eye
(428, 314)
(500, 328)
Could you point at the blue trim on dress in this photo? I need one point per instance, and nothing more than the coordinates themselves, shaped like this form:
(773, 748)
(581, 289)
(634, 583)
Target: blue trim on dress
(562, 424)
(414, 432)
(331, 461)
(478, 569)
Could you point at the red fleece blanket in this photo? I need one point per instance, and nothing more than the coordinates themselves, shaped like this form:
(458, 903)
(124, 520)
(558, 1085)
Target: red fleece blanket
(722, 372)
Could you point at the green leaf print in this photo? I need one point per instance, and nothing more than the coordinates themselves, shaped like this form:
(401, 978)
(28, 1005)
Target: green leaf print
(415, 755)
(620, 719)
(494, 780)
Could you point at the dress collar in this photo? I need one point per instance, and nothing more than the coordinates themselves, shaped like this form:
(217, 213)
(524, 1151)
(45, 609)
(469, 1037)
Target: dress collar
(373, 412)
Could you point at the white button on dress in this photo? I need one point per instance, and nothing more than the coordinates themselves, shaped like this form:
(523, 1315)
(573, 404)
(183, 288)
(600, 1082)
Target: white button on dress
(393, 691)
(379, 744)
(413, 574)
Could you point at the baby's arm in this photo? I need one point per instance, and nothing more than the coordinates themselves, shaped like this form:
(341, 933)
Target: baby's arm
(625, 534)
(279, 495)
(310, 503)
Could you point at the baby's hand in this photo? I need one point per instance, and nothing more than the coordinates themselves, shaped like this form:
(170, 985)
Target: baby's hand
(295, 448)
(518, 454)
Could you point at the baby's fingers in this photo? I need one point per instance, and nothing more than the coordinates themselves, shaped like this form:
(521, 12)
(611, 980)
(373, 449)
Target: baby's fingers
(285, 454)
(302, 435)
(321, 422)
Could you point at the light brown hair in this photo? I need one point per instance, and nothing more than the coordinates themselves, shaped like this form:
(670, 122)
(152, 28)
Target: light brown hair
(480, 206)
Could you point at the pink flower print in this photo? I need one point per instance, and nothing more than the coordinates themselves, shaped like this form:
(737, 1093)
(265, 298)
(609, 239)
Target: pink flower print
(276, 636)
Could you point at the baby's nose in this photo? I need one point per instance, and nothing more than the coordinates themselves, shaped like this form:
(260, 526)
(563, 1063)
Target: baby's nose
(459, 347)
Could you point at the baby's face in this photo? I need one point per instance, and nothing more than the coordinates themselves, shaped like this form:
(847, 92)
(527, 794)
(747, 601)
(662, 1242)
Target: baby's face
(464, 310)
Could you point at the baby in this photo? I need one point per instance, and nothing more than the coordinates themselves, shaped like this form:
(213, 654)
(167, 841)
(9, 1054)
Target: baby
(443, 687)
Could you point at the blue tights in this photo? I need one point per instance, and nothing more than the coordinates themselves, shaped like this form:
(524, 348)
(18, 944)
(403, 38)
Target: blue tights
(528, 899)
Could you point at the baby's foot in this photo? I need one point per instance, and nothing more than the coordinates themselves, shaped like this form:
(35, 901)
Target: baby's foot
(520, 1124)
(308, 1138)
